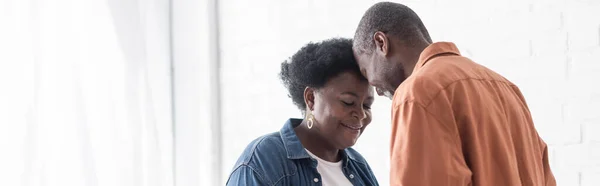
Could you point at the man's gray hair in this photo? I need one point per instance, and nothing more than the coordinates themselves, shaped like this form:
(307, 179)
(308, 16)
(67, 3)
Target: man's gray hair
(390, 18)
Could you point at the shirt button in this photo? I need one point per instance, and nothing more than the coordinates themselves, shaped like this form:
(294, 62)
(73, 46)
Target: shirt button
(316, 180)
(351, 176)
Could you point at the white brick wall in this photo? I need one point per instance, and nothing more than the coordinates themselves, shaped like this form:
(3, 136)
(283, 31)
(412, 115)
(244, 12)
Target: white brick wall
(550, 48)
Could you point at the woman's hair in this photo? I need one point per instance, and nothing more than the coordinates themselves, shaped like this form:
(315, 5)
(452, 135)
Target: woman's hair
(314, 64)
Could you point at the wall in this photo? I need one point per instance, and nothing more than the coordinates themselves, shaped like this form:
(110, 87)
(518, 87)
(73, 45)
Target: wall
(551, 49)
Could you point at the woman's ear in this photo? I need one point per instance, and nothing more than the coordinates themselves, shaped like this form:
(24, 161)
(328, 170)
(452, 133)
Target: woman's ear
(309, 98)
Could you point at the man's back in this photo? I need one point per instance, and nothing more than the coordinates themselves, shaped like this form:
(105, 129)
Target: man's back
(456, 122)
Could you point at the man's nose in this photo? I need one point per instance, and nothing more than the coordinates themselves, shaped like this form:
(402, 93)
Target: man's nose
(379, 91)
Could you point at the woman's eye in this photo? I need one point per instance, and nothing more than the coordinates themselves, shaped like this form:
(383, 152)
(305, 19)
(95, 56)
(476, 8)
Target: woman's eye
(348, 103)
(367, 106)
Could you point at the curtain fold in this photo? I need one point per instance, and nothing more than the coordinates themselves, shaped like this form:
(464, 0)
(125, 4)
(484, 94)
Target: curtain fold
(85, 93)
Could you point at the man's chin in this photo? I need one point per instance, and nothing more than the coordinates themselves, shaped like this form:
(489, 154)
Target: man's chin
(384, 93)
(388, 94)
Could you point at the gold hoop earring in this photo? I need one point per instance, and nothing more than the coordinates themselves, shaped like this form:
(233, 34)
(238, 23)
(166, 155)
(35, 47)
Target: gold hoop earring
(310, 122)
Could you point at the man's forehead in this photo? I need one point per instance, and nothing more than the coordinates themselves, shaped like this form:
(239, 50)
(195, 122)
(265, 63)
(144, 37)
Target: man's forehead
(364, 61)
(360, 56)
(355, 52)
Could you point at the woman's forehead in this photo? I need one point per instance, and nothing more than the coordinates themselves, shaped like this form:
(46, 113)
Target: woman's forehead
(348, 82)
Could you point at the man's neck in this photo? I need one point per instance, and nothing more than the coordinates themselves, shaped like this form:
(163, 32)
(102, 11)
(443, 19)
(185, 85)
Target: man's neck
(414, 59)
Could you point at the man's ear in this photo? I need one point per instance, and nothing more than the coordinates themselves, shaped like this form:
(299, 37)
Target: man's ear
(309, 98)
(381, 42)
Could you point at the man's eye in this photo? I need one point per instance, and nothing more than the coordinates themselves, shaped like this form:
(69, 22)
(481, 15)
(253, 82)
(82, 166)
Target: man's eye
(367, 107)
(348, 103)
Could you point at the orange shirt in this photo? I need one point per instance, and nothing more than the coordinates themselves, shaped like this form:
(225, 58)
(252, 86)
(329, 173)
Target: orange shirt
(455, 123)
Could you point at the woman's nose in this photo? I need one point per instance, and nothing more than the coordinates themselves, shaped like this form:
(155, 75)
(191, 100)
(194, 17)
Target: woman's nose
(360, 114)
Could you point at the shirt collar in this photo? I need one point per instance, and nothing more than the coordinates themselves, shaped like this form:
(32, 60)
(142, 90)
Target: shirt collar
(435, 50)
(294, 148)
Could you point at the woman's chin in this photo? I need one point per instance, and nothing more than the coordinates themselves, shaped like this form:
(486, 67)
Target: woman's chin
(348, 142)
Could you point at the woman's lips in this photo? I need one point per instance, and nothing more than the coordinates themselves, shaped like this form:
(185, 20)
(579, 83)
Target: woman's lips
(353, 127)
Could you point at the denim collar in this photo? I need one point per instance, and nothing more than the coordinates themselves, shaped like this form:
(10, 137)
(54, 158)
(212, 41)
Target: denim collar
(294, 148)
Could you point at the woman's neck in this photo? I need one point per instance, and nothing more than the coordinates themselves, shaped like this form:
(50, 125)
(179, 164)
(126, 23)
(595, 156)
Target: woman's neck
(316, 144)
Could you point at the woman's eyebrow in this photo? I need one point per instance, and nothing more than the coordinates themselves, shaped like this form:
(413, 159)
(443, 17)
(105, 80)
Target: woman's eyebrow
(370, 98)
(350, 93)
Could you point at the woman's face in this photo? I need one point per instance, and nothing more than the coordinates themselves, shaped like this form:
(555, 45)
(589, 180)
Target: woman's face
(342, 109)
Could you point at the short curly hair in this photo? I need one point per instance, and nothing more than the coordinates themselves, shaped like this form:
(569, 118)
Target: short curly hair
(314, 64)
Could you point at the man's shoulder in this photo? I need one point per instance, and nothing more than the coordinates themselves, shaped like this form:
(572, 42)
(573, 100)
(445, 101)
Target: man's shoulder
(449, 69)
(438, 75)
(417, 88)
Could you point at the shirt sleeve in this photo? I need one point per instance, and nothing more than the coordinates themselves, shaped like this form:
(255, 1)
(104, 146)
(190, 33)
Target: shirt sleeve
(245, 176)
(548, 175)
(424, 150)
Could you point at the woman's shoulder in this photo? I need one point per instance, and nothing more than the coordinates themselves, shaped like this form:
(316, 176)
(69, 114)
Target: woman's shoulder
(355, 156)
(269, 146)
(266, 157)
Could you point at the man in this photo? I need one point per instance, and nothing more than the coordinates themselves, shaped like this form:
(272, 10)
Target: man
(454, 122)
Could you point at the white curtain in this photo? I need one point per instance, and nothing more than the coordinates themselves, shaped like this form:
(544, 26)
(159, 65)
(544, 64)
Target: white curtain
(85, 93)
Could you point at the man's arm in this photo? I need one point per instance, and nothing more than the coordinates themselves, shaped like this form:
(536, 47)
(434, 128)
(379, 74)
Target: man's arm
(424, 150)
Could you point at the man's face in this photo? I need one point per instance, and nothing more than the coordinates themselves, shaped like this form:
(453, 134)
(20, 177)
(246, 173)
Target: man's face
(385, 75)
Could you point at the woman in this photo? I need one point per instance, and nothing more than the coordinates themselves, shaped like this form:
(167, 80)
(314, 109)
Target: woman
(325, 83)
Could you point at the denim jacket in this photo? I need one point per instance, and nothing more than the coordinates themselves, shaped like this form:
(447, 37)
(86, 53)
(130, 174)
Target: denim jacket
(280, 159)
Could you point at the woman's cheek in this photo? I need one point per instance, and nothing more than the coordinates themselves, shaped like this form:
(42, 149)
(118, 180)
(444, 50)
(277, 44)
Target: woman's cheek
(367, 120)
